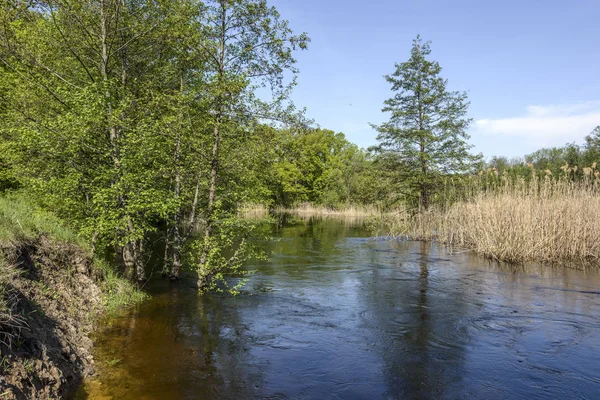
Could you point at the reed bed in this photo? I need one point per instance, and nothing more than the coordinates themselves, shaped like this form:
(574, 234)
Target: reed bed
(253, 211)
(544, 220)
(309, 210)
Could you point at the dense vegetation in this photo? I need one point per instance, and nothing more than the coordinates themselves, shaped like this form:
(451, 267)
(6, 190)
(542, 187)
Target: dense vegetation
(128, 117)
(133, 120)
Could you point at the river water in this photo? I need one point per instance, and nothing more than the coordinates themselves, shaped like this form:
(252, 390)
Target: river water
(336, 314)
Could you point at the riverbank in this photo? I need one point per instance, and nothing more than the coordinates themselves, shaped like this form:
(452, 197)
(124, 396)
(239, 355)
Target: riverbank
(51, 294)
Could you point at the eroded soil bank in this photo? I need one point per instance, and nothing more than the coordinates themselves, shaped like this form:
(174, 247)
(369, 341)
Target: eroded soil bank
(52, 297)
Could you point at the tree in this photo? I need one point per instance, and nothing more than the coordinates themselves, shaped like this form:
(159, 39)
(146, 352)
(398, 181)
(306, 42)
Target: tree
(247, 47)
(81, 83)
(591, 148)
(426, 135)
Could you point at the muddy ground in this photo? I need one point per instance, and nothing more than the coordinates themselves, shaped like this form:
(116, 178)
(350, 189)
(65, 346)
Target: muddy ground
(55, 299)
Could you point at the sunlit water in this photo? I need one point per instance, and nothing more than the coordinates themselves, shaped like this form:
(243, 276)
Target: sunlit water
(338, 315)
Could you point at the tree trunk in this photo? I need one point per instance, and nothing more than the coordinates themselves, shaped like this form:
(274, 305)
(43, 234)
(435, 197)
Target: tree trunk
(177, 226)
(177, 238)
(424, 198)
(204, 275)
(166, 270)
(424, 189)
(192, 220)
(128, 254)
(140, 267)
(132, 261)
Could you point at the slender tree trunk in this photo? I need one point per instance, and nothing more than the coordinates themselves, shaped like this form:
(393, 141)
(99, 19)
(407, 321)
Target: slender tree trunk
(133, 264)
(424, 189)
(192, 219)
(177, 248)
(126, 251)
(136, 246)
(424, 197)
(204, 275)
(140, 267)
(177, 238)
(178, 223)
(166, 270)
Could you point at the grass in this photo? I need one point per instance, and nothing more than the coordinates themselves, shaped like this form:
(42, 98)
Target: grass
(117, 292)
(21, 218)
(548, 220)
(309, 209)
(253, 211)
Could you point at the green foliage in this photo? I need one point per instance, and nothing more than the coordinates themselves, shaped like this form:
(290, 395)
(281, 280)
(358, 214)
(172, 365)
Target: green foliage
(122, 117)
(553, 161)
(591, 148)
(311, 165)
(232, 243)
(425, 137)
(22, 219)
(8, 181)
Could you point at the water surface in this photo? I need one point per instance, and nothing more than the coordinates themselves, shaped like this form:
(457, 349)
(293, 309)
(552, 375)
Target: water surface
(338, 315)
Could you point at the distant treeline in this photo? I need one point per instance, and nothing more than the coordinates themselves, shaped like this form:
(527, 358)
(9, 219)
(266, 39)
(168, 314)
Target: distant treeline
(554, 159)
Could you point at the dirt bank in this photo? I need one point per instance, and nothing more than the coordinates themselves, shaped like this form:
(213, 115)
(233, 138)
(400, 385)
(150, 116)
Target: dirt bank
(51, 297)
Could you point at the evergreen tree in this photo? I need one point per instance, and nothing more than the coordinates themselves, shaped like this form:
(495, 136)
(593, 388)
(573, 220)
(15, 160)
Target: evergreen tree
(425, 137)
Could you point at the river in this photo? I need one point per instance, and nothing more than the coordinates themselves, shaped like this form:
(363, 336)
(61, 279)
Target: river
(336, 314)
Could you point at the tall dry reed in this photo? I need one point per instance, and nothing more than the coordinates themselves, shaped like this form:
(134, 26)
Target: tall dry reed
(308, 210)
(547, 220)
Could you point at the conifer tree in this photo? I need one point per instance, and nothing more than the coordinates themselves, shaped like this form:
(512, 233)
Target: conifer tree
(426, 136)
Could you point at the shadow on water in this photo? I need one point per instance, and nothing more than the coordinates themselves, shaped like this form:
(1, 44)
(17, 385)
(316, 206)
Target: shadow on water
(338, 315)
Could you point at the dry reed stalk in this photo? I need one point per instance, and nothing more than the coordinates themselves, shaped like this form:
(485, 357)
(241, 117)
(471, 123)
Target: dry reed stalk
(544, 220)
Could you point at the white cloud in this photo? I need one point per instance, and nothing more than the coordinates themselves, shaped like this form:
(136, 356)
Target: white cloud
(548, 125)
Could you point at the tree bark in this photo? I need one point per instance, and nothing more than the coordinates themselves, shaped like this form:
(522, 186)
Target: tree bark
(204, 275)
(424, 190)
(166, 270)
(177, 238)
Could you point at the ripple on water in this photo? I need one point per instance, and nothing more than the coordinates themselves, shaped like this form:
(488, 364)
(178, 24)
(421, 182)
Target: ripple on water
(333, 316)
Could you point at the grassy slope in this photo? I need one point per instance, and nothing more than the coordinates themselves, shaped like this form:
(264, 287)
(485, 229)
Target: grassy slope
(51, 291)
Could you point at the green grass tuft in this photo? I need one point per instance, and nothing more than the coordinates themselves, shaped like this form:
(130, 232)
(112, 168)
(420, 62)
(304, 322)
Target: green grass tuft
(117, 291)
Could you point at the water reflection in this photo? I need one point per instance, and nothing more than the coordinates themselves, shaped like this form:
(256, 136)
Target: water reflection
(338, 315)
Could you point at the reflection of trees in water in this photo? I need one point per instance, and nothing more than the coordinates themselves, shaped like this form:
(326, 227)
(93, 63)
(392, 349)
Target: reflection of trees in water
(181, 345)
(414, 317)
(311, 242)
(223, 367)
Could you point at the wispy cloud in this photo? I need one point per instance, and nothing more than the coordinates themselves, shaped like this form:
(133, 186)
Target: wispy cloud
(547, 125)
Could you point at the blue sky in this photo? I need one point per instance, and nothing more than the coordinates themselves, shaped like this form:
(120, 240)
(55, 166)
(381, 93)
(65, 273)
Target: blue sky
(531, 67)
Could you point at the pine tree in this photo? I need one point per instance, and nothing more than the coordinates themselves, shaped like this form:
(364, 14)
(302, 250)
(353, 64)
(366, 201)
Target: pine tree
(425, 137)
